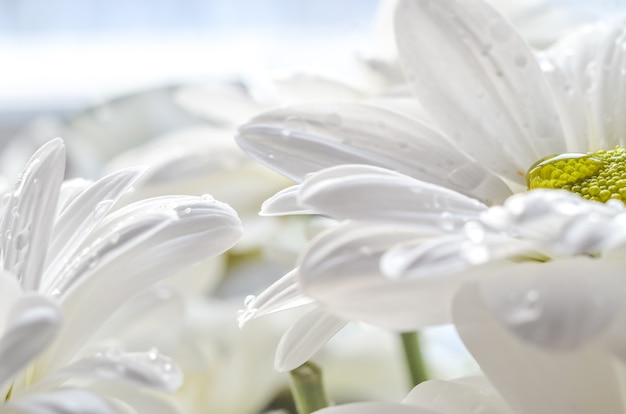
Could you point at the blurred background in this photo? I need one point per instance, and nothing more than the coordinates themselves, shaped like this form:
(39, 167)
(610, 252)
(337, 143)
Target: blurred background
(58, 57)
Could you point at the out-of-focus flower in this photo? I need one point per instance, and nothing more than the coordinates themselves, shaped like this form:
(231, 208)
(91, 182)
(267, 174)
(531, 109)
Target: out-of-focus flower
(69, 262)
(490, 109)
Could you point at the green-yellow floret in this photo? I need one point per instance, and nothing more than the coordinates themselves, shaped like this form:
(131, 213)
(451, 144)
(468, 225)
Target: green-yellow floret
(598, 176)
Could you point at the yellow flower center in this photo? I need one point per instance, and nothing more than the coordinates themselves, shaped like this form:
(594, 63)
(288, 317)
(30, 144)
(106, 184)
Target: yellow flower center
(598, 176)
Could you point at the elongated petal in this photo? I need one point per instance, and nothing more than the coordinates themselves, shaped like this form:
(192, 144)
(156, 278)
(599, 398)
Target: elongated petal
(375, 408)
(284, 202)
(144, 369)
(86, 211)
(609, 87)
(584, 379)
(340, 269)
(32, 325)
(305, 338)
(10, 292)
(458, 397)
(202, 229)
(303, 139)
(282, 294)
(68, 401)
(30, 213)
(479, 82)
(450, 254)
(373, 194)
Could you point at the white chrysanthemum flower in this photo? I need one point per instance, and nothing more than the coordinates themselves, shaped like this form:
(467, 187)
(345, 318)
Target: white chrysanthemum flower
(68, 262)
(490, 110)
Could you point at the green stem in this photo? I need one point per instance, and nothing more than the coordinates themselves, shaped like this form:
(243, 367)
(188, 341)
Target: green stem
(413, 356)
(308, 389)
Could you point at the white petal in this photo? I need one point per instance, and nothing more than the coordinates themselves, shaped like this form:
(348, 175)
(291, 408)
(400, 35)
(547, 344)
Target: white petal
(10, 292)
(299, 140)
(571, 106)
(449, 254)
(458, 397)
(85, 212)
(609, 87)
(480, 83)
(68, 401)
(204, 228)
(340, 269)
(305, 338)
(282, 294)
(375, 408)
(284, 202)
(144, 369)
(532, 381)
(557, 305)
(32, 324)
(367, 193)
(30, 212)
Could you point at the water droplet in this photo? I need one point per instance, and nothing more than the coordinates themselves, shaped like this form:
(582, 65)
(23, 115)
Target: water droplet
(475, 254)
(523, 311)
(285, 133)
(474, 231)
(102, 208)
(15, 212)
(207, 197)
(153, 354)
(8, 235)
(55, 293)
(446, 221)
(188, 210)
(23, 239)
(249, 300)
(333, 120)
(295, 123)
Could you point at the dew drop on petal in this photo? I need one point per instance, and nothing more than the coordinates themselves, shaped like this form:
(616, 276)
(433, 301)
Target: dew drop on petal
(249, 300)
(446, 221)
(207, 197)
(474, 231)
(153, 354)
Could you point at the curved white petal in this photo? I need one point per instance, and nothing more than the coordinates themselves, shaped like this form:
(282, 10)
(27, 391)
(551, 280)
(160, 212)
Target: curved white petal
(303, 139)
(559, 305)
(458, 397)
(479, 82)
(84, 213)
(30, 212)
(144, 369)
(305, 338)
(375, 408)
(368, 193)
(340, 269)
(609, 87)
(203, 228)
(32, 324)
(284, 202)
(68, 401)
(530, 379)
(282, 294)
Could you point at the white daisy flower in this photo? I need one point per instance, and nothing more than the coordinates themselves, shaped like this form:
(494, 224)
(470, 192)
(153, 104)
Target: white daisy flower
(68, 262)
(491, 112)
